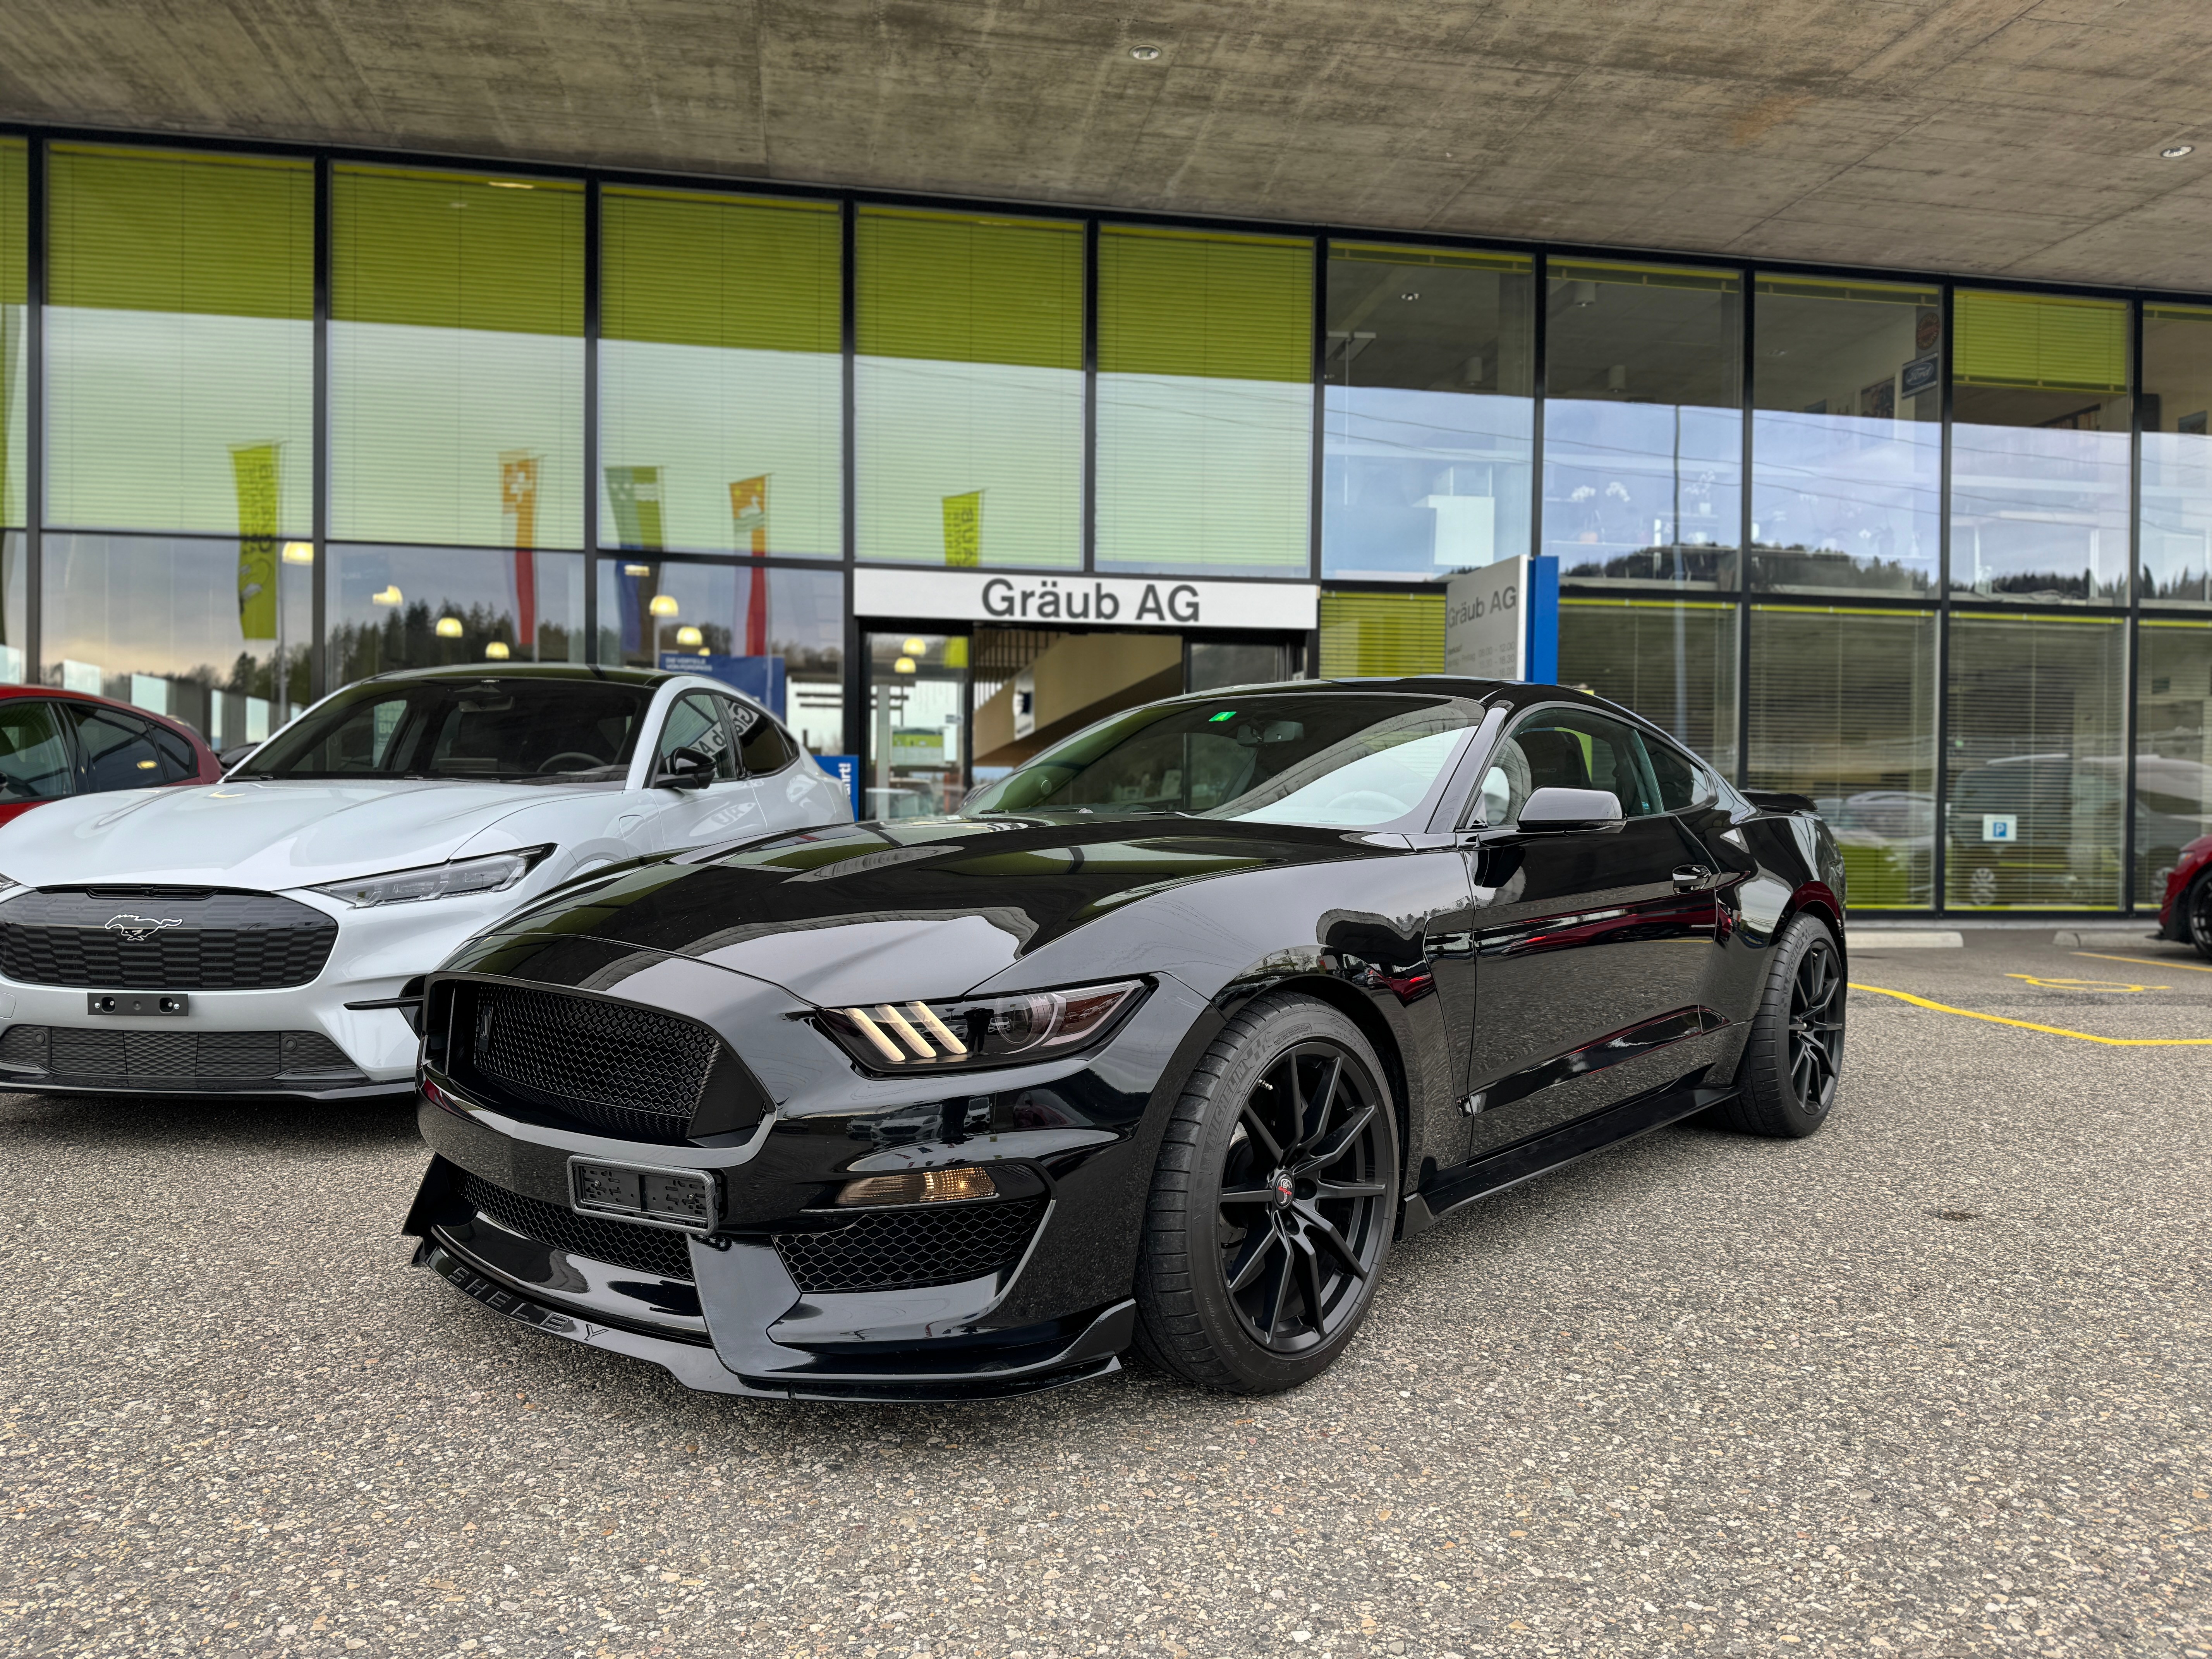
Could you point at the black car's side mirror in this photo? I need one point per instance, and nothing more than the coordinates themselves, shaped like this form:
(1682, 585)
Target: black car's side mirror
(1551, 811)
(237, 752)
(684, 769)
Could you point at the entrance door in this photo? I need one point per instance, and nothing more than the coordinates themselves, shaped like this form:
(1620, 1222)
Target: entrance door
(1210, 665)
(917, 756)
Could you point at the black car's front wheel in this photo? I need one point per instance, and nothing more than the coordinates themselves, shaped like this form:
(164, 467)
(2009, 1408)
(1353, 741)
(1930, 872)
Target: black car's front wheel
(1272, 1203)
(1794, 1057)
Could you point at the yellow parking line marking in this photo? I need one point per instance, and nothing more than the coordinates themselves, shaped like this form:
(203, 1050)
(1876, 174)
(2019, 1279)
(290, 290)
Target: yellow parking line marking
(2185, 967)
(2087, 984)
(2030, 1025)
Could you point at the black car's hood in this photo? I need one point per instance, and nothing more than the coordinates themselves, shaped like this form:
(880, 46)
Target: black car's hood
(932, 907)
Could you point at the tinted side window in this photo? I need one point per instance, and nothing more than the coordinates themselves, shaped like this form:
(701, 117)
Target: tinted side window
(122, 753)
(762, 744)
(1682, 782)
(35, 755)
(1567, 749)
(695, 723)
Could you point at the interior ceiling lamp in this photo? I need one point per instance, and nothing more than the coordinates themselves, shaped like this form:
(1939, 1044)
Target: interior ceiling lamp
(1410, 293)
(1582, 294)
(688, 634)
(497, 651)
(2175, 152)
(904, 666)
(637, 570)
(664, 604)
(449, 627)
(1144, 54)
(1616, 378)
(390, 595)
(299, 552)
(916, 648)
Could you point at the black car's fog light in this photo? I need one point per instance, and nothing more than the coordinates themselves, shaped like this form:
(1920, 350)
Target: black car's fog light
(987, 1030)
(920, 1186)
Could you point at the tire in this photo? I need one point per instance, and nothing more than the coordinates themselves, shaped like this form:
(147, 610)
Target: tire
(1793, 1060)
(2197, 914)
(1273, 1202)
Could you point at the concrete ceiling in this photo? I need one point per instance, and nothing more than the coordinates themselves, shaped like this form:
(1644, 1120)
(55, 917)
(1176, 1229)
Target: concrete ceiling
(2015, 137)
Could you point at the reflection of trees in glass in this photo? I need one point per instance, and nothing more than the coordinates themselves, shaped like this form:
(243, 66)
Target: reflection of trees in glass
(408, 638)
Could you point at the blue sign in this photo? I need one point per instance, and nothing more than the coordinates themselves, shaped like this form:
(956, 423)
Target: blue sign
(1539, 604)
(846, 768)
(760, 678)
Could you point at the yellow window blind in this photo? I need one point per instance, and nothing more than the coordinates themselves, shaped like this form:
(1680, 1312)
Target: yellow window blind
(1365, 635)
(682, 268)
(438, 250)
(1224, 308)
(215, 235)
(2040, 340)
(954, 288)
(14, 215)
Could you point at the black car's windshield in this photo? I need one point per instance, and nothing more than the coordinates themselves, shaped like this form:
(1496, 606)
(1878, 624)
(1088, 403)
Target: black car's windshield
(492, 730)
(1337, 760)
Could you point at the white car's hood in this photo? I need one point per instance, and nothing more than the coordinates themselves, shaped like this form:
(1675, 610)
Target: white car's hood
(261, 835)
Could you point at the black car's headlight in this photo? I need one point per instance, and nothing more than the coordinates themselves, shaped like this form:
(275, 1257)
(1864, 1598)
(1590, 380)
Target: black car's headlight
(912, 1037)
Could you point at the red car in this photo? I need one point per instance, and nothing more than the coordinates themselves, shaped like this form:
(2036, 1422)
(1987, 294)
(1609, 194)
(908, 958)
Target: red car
(65, 743)
(2187, 913)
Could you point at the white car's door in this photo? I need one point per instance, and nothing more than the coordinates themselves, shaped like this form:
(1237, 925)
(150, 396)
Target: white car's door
(729, 806)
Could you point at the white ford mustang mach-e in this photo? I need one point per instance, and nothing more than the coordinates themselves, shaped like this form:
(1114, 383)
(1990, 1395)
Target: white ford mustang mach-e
(267, 934)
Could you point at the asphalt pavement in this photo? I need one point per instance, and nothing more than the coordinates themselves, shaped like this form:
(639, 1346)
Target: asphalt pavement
(1933, 1382)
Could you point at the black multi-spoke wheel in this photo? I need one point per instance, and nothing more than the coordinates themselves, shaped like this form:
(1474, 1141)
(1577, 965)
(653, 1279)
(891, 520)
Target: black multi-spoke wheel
(1273, 1201)
(1816, 1027)
(1793, 1057)
(1303, 1203)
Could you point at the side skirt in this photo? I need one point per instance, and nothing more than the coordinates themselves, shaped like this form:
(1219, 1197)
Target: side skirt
(1459, 1188)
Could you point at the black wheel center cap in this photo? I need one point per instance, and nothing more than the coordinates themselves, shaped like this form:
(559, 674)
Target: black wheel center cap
(1284, 1189)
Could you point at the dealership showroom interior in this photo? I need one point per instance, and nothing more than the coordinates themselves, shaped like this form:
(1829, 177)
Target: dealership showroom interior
(1521, 696)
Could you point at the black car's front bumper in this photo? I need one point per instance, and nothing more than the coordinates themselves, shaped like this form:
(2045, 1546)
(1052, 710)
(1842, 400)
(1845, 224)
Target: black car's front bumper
(790, 1296)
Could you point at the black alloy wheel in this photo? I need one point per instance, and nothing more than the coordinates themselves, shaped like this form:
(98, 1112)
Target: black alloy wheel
(1272, 1203)
(1816, 1027)
(2197, 910)
(1302, 1205)
(1793, 1057)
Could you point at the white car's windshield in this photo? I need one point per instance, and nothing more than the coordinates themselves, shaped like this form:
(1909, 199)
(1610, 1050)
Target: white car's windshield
(1338, 761)
(506, 731)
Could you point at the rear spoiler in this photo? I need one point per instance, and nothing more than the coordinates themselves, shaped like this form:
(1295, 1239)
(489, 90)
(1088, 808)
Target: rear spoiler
(1767, 800)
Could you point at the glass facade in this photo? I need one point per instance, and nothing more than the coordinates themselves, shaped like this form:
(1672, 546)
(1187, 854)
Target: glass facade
(1936, 554)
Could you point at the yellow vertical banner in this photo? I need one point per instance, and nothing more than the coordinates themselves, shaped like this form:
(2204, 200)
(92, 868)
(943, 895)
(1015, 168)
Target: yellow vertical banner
(749, 513)
(963, 530)
(254, 468)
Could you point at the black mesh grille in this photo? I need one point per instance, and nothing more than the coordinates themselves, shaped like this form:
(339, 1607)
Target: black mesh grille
(126, 940)
(621, 1067)
(653, 1250)
(154, 1057)
(905, 1249)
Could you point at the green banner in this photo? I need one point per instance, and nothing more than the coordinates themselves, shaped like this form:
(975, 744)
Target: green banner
(255, 468)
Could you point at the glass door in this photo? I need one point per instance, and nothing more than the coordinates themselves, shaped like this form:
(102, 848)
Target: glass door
(918, 690)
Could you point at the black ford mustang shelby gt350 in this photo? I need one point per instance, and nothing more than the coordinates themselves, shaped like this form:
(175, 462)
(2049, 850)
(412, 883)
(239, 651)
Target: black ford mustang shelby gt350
(1162, 1040)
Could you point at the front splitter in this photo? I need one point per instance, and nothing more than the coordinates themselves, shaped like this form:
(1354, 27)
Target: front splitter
(695, 1365)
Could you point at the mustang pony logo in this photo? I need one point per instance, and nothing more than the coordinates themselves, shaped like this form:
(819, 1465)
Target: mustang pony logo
(138, 929)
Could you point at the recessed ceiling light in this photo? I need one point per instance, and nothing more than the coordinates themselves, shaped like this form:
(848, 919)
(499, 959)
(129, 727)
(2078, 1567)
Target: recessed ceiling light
(1144, 54)
(1409, 295)
(2175, 152)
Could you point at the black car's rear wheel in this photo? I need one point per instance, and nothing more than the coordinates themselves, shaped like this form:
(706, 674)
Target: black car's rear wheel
(1272, 1203)
(1794, 1056)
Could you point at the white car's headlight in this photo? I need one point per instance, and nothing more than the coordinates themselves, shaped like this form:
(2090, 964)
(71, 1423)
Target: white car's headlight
(493, 873)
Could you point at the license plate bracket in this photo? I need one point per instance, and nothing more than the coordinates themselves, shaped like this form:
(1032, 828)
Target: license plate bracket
(682, 1199)
(174, 1004)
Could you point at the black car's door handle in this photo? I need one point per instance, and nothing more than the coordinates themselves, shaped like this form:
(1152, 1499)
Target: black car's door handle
(1688, 878)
